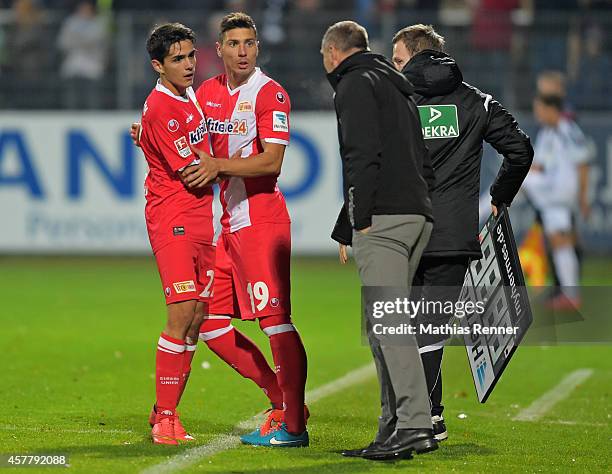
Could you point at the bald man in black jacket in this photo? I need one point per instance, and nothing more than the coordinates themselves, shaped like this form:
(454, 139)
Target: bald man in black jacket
(386, 217)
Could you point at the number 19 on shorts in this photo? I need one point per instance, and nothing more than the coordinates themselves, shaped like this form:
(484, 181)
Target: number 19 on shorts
(258, 294)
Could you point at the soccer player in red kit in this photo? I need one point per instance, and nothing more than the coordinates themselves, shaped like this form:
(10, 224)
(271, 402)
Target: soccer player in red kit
(248, 112)
(179, 220)
(180, 227)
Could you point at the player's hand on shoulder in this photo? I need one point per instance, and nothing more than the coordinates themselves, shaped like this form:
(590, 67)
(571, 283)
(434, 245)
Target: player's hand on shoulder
(135, 131)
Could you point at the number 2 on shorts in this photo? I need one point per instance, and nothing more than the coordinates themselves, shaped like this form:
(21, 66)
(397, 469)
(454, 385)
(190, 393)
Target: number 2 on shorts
(258, 291)
(211, 276)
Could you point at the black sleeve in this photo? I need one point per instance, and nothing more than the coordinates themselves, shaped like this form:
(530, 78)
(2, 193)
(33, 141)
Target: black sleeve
(505, 135)
(428, 172)
(343, 232)
(358, 114)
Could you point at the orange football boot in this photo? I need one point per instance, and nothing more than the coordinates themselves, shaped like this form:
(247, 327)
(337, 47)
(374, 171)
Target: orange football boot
(163, 431)
(180, 433)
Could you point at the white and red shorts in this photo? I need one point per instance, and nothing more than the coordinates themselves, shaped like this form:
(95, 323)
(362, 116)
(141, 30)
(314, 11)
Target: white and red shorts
(252, 272)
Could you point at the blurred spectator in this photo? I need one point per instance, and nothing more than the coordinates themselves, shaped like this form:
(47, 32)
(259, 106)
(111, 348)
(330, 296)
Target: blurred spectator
(302, 74)
(554, 83)
(83, 40)
(549, 38)
(491, 40)
(492, 24)
(209, 64)
(591, 71)
(25, 56)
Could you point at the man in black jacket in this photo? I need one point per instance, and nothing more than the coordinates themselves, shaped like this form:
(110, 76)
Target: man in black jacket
(456, 118)
(386, 217)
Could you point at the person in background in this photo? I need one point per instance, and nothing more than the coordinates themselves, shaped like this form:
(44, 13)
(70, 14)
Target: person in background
(83, 41)
(25, 56)
(556, 184)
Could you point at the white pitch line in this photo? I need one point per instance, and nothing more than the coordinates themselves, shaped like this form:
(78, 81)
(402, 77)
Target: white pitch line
(539, 407)
(228, 441)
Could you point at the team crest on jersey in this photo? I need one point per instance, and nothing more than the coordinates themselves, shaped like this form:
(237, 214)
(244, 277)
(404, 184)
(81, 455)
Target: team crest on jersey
(245, 106)
(228, 127)
(184, 286)
(197, 135)
(279, 121)
(173, 125)
(182, 147)
(280, 97)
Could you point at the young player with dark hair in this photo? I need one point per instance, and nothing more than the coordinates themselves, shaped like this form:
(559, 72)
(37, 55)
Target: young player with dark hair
(179, 220)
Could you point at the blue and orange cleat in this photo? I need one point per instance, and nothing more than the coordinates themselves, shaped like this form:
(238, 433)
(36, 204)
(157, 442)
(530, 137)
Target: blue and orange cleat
(273, 422)
(277, 438)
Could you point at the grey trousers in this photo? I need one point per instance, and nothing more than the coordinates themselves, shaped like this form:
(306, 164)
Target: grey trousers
(388, 255)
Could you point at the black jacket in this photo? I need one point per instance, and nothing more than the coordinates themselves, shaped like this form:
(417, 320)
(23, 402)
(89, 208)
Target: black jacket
(456, 154)
(384, 159)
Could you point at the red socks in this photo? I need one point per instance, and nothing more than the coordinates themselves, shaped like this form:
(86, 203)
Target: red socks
(190, 349)
(291, 367)
(238, 351)
(168, 373)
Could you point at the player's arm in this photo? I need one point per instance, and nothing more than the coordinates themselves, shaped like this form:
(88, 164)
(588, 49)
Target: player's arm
(504, 134)
(268, 162)
(581, 151)
(583, 174)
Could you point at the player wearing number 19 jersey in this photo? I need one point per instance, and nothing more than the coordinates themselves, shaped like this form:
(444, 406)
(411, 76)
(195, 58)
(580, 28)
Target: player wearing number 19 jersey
(255, 222)
(248, 112)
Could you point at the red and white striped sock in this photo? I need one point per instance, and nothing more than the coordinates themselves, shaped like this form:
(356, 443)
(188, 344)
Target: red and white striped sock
(291, 367)
(168, 373)
(238, 351)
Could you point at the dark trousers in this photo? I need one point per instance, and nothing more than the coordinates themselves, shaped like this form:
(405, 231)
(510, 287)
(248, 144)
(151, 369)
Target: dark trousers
(436, 279)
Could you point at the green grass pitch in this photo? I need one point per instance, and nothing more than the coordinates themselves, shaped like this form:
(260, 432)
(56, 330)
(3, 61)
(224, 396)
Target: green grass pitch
(78, 344)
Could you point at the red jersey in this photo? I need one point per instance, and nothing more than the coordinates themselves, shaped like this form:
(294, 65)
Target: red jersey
(170, 123)
(246, 117)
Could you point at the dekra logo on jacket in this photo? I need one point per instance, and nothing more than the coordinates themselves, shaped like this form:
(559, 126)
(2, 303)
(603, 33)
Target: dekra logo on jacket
(439, 121)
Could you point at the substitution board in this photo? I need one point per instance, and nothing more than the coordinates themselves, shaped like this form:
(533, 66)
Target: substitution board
(497, 280)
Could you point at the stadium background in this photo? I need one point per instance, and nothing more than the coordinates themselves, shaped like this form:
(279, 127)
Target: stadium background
(71, 190)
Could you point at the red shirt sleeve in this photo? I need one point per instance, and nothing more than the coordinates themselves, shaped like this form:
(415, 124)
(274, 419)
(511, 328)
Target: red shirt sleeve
(171, 139)
(272, 112)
